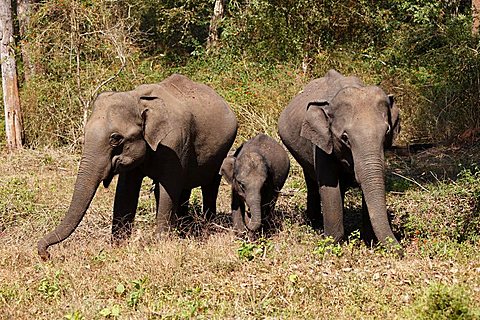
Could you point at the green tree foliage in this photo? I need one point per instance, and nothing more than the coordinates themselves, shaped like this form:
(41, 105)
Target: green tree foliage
(422, 51)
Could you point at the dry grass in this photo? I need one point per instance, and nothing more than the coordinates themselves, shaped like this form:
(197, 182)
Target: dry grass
(286, 274)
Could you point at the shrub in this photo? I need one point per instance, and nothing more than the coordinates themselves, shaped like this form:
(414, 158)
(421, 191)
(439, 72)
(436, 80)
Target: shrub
(444, 302)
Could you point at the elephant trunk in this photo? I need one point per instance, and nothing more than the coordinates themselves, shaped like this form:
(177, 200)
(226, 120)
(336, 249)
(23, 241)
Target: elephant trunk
(254, 203)
(371, 177)
(85, 187)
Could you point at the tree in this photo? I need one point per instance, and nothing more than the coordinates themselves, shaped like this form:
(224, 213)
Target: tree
(13, 116)
(476, 17)
(23, 16)
(218, 13)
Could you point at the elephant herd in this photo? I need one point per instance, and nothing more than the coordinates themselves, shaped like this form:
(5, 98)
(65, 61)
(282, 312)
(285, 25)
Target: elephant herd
(179, 134)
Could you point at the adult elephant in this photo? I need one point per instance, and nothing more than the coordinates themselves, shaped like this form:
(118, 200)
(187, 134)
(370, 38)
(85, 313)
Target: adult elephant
(176, 132)
(337, 128)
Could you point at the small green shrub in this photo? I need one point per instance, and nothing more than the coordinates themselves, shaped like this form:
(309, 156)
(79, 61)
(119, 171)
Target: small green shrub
(327, 246)
(251, 250)
(449, 210)
(75, 315)
(50, 287)
(136, 293)
(444, 302)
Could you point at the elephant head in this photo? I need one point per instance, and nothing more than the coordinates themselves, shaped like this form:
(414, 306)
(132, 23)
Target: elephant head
(247, 173)
(120, 130)
(355, 126)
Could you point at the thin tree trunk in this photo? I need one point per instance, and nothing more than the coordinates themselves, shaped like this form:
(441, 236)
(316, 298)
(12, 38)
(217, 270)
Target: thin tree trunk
(13, 116)
(476, 16)
(23, 15)
(218, 12)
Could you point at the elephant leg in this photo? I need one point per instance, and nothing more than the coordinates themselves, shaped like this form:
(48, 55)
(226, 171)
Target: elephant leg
(209, 196)
(332, 212)
(183, 217)
(167, 205)
(314, 213)
(366, 230)
(330, 194)
(125, 204)
(238, 210)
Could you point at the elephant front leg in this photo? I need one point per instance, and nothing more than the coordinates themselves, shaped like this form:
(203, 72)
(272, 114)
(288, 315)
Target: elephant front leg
(332, 212)
(125, 204)
(331, 195)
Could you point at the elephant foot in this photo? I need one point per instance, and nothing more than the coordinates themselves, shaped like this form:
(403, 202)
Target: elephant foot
(392, 246)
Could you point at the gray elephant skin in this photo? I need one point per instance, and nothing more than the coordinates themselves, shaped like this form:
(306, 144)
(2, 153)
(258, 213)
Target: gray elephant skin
(176, 132)
(257, 172)
(337, 129)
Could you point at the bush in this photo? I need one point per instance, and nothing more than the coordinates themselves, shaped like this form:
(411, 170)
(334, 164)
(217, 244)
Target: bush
(449, 211)
(444, 302)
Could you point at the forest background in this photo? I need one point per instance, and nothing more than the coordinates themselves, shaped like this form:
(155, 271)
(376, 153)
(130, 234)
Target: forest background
(423, 52)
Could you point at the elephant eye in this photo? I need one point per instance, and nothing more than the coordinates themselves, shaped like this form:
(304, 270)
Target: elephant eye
(344, 138)
(116, 139)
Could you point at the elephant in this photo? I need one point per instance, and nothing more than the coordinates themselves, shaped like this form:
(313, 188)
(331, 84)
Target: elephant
(176, 132)
(257, 172)
(337, 129)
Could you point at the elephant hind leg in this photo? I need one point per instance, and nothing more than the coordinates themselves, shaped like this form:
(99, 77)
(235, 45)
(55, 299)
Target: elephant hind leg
(183, 219)
(167, 205)
(314, 210)
(209, 196)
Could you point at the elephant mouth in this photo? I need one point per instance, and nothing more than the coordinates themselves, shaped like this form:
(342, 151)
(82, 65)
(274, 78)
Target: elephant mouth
(113, 171)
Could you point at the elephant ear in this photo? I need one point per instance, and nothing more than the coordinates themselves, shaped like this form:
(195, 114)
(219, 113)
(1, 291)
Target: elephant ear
(393, 122)
(157, 124)
(316, 125)
(226, 170)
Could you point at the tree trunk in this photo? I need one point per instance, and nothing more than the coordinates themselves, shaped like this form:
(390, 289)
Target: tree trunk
(475, 15)
(23, 15)
(13, 116)
(218, 12)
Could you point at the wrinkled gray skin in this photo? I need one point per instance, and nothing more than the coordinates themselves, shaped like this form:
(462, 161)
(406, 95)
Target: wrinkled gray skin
(164, 131)
(337, 129)
(257, 171)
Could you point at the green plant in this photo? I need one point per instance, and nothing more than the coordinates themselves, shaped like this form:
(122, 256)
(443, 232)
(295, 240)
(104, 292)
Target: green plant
(111, 312)
(326, 246)
(136, 293)
(444, 302)
(75, 315)
(50, 287)
(252, 250)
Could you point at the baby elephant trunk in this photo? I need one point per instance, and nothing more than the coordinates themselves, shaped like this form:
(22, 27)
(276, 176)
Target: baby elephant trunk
(254, 221)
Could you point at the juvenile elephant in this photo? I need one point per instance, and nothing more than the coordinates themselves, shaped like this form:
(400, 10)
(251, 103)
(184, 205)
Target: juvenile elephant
(176, 132)
(337, 129)
(257, 171)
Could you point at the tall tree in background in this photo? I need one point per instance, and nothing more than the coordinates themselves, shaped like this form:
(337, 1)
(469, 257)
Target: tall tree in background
(11, 100)
(476, 17)
(218, 12)
(23, 16)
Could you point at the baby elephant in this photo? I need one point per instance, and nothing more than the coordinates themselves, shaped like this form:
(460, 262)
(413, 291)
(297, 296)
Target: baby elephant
(257, 171)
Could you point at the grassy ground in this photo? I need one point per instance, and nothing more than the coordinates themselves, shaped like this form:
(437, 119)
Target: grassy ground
(293, 273)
